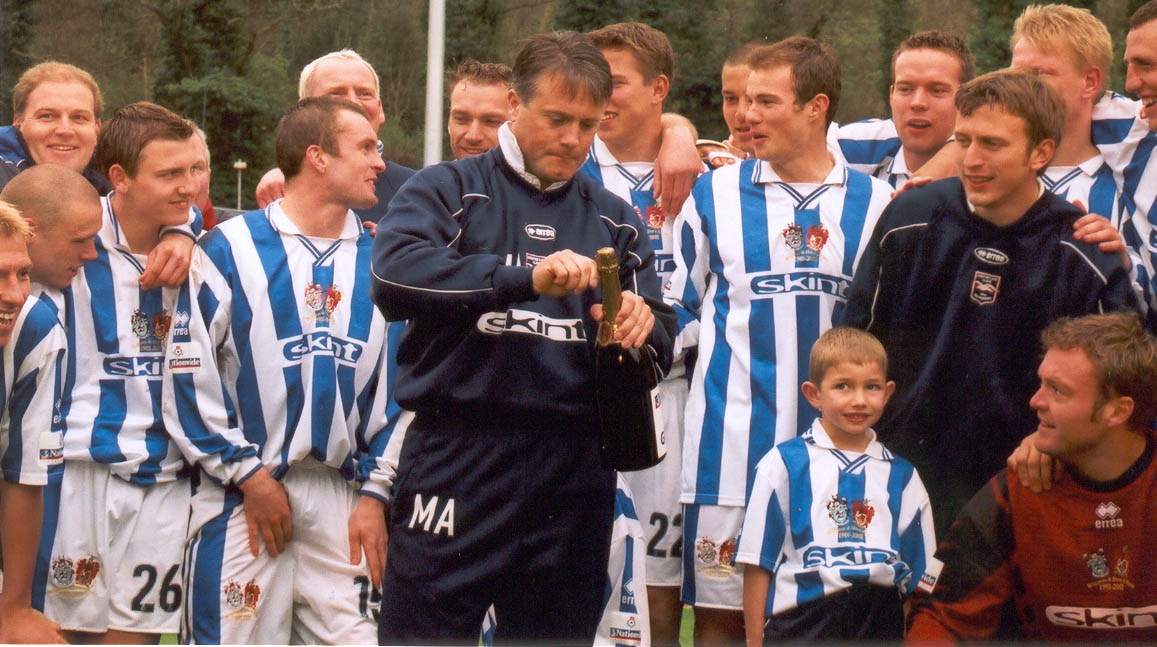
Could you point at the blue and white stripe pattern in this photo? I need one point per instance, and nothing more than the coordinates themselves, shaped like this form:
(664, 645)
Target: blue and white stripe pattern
(872, 147)
(633, 182)
(277, 354)
(32, 366)
(1094, 185)
(111, 405)
(1126, 144)
(821, 519)
(626, 615)
(765, 267)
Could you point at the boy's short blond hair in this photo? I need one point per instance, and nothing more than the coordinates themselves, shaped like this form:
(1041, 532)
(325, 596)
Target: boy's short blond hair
(1066, 30)
(843, 344)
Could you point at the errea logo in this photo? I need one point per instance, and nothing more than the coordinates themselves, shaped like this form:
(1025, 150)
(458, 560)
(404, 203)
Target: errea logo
(540, 232)
(991, 256)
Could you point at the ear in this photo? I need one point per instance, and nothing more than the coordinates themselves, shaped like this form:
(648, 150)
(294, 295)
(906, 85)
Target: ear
(812, 393)
(1117, 411)
(316, 158)
(889, 389)
(818, 106)
(1092, 81)
(1040, 156)
(660, 87)
(118, 178)
(515, 102)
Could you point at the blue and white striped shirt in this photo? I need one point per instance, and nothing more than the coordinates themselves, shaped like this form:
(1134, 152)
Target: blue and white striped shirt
(821, 519)
(633, 182)
(626, 616)
(111, 402)
(765, 266)
(873, 147)
(32, 366)
(277, 354)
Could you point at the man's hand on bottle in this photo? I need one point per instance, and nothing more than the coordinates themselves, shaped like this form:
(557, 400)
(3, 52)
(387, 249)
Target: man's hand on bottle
(634, 323)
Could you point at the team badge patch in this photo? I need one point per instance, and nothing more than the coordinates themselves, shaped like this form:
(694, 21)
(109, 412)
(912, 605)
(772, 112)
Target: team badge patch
(533, 259)
(716, 560)
(242, 599)
(74, 579)
(985, 288)
(851, 520)
(1107, 516)
(321, 302)
(654, 217)
(807, 248)
(150, 338)
(1110, 572)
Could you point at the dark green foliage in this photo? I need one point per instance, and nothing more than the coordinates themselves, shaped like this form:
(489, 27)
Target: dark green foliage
(17, 23)
(990, 34)
(895, 26)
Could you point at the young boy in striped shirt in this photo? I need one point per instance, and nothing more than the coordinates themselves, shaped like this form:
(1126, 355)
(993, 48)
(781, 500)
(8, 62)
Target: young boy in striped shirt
(838, 530)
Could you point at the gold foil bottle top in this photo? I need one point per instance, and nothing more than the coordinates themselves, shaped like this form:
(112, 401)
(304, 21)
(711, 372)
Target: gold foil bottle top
(608, 264)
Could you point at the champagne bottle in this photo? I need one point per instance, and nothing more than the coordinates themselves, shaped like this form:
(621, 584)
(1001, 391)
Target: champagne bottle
(624, 379)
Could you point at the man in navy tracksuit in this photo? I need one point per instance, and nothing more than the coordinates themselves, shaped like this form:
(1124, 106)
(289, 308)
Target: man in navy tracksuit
(501, 498)
(961, 277)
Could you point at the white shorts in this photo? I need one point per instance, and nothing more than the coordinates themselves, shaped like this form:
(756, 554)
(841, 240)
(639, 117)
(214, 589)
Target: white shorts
(115, 558)
(711, 536)
(309, 594)
(656, 490)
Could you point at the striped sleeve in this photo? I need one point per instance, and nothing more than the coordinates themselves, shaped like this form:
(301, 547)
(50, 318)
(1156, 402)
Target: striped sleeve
(917, 534)
(688, 282)
(865, 145)
(764, 529)
(200, 414)
(383, 426)
(33, 363)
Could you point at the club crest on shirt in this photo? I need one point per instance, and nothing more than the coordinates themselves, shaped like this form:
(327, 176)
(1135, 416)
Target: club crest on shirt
(321, 302)
(1110, 572)
(851, 520)
(716, 559)
(74, 579)
(242, 600)
(150, 333)
(807, 248)
(985, 288)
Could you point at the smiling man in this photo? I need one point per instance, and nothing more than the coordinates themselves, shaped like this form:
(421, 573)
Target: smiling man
(490, 259)
(1075, 563)
(118, 508)
(292, 506)
(346, 75)
(762, 263)
(478, 107)
(962, 275)
(57, 110)
(927, 68)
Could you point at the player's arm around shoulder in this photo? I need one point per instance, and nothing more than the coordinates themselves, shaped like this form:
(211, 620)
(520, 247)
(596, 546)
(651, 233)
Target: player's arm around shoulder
(418, 271)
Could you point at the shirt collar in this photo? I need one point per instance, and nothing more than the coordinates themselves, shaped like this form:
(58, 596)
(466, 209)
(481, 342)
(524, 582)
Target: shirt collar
(763, 174)
(508, 143)
(899, 165)
(279, 220)
(818, 436)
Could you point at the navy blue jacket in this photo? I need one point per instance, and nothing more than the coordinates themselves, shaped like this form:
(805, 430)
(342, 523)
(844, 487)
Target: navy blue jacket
(454, 257)
(389, 181)
(14, 151)
(959, 304)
